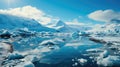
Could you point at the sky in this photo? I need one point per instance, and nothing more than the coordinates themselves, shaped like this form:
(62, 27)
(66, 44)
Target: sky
(69, 10)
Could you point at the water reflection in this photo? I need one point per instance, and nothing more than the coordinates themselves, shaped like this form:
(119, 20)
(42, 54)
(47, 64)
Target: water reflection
(60, 50)
(74, 49)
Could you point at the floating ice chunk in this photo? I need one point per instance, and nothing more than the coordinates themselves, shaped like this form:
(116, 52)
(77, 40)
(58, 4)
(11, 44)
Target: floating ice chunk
(82, 61)
(109, 61)
(41, 49)
(104, 54)
(75, 64)
(75, 35)
(29, 65)
(14, 56)
(54, 43)
(25, 64)
(5, 49)
(94, 50)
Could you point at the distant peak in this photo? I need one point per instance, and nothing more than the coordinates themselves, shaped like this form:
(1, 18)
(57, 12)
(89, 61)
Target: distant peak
(60, 23)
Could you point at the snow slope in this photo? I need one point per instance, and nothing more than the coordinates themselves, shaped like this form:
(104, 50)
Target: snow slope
(11, 22)
(63, 27)
(106, 29)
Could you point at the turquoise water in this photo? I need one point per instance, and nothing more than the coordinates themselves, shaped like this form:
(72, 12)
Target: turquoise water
(67, 55)
(70, 50)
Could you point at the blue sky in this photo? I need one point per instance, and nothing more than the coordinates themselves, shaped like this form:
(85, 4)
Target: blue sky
(66, 9)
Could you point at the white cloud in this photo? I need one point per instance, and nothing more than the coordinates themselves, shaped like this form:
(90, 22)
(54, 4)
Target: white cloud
(104, 15)
(29, 12)
(74, 22)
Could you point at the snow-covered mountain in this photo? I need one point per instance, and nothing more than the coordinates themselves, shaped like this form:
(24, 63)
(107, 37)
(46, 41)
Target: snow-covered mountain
(60, 23)
(63, 27)
(106, 29)
(11, 22)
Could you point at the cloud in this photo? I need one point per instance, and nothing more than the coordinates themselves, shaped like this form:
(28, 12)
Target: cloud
(104, 15)
(74, 22)
(29, 12)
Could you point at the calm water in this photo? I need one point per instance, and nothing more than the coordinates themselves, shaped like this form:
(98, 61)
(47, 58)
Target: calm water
(67, 55)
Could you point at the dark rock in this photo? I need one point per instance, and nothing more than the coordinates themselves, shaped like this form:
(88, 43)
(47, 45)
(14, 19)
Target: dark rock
(97, 40)
(5, 36)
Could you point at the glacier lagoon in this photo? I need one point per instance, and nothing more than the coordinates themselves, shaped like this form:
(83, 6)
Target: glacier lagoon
(59, 50)
(24, 42)
(69, 54)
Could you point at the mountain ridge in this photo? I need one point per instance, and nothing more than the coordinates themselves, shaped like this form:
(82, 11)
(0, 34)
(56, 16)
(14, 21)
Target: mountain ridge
(11, 22)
